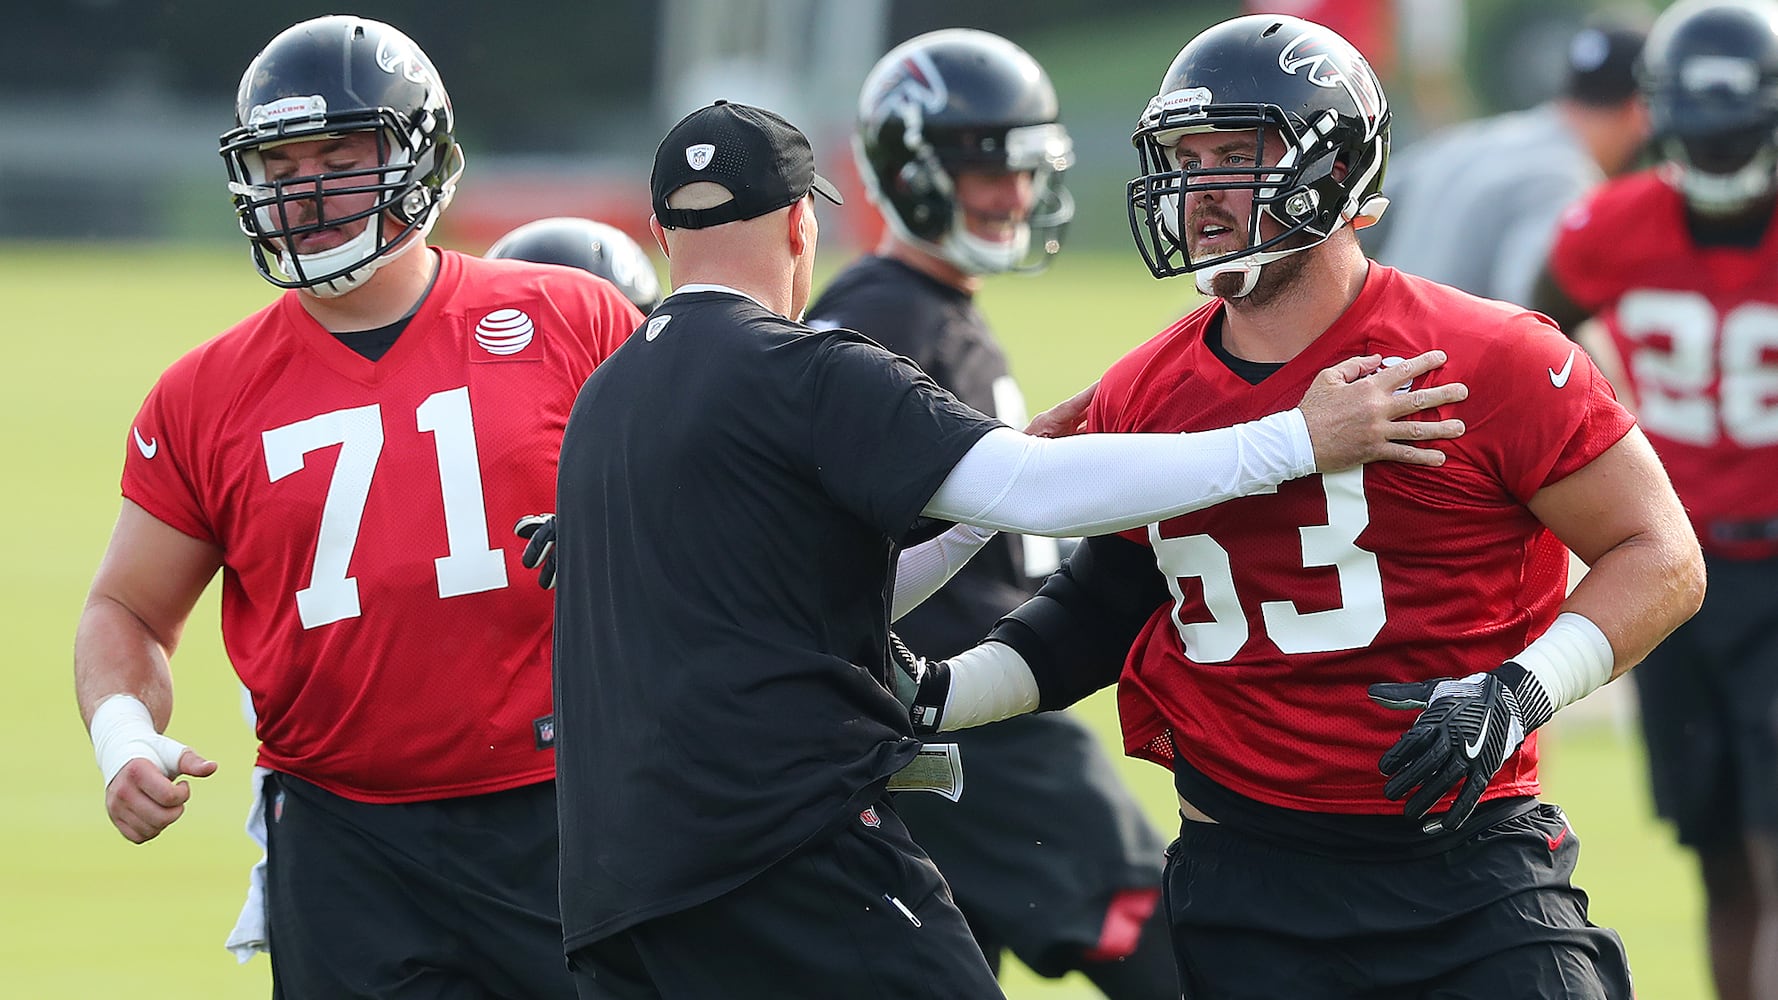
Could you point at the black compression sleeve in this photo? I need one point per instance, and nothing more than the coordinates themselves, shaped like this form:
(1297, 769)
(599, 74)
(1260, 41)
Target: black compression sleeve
(1077, 631)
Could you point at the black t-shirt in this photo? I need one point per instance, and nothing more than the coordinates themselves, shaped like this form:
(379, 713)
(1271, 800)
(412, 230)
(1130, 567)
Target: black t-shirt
(731, 489)
(938, 327)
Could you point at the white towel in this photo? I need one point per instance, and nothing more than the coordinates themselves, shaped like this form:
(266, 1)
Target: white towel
(249, 937)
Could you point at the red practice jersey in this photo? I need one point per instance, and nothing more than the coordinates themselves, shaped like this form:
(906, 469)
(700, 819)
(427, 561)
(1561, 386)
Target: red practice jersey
(373, 602)
(1288, 604)
(1697, 329)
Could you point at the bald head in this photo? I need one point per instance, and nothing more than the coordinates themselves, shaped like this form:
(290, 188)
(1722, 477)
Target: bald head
(770, 256)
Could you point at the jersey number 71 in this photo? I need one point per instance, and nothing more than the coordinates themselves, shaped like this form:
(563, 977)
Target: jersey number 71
(472, 565)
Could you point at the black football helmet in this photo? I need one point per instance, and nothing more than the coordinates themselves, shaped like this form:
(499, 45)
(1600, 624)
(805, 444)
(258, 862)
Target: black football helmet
(955, 100)
(1260, 72)
(591, 246)
(325, 78)
(1710, 73)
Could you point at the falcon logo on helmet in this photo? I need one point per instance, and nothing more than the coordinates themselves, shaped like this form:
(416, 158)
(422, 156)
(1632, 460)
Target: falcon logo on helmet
(916, 84)
(1321, 60)
(393, 57)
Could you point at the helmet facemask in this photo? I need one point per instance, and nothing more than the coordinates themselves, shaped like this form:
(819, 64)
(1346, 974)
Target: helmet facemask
(1723, 176)
(409, 183)
(1308, 192)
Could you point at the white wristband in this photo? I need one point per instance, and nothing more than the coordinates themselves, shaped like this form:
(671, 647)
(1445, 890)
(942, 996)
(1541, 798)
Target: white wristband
(122, 731)
(989, 682)
(1570, 661)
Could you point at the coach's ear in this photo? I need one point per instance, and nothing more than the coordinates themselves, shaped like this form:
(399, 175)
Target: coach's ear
(802, 227)
(660, 234)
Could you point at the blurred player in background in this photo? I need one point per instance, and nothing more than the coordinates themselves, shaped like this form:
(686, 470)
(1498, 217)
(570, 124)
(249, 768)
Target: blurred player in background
(1268, 647)
(1680, 263)
(959, 146)
(1476, 205)
(349, 457)
(594, 247)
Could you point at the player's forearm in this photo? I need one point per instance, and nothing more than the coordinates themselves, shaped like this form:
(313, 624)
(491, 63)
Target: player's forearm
(1639, 591)
(923, 569)
(1096, 484)
(116, 653)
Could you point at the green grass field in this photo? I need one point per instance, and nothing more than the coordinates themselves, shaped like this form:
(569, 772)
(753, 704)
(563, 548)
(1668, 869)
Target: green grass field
(88, 915)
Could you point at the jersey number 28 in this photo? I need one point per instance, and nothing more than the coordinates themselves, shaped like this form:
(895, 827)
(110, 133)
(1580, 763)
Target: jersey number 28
(1703, 348)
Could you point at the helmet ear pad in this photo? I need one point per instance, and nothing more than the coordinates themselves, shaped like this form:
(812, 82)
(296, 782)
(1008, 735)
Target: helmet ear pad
(925, 197)
(920, 190)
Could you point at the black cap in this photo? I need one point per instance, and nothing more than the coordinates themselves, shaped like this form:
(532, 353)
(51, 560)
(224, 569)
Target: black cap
(1602, 63)
(763, 160)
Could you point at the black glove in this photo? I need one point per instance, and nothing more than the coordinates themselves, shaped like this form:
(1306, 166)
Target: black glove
(539, 530)
(920, 685)
(1468, 728)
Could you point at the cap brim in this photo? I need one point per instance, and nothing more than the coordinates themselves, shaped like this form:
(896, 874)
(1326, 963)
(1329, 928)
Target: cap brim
(827, 190)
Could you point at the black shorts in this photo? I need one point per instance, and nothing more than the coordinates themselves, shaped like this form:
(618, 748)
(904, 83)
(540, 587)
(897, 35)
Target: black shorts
(1495, 918)
(1709, 704)
(860, 914)
(1043, 839)
(453, 898)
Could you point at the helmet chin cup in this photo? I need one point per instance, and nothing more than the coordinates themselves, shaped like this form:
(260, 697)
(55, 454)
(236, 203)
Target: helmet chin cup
(1247, 268)
(360, 247)
(974, 255)
(1729, 194)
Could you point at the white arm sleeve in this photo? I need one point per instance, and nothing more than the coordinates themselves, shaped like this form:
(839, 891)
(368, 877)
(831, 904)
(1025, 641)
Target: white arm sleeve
(923, 569)
(1094, 484)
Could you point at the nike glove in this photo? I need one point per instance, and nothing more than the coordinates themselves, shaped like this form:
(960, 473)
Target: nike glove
(920, 685)
(539, 532)
(1467, 729)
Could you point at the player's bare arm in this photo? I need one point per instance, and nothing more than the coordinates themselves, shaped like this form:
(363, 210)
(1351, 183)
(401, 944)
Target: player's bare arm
(147, 583)
(1646, 576)
(1355, 414)
(1645, 572)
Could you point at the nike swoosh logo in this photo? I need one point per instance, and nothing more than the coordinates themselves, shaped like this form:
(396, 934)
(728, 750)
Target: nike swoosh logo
(1560, 378)
(149, 447)
(1472, 749)
(1556, 841)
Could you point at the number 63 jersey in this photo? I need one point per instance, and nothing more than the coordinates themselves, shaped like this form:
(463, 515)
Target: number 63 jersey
(1287, 605)
(1697, 329)
(373, 602)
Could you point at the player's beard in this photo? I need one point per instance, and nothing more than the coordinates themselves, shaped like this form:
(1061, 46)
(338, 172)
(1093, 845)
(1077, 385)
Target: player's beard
(1275, 280)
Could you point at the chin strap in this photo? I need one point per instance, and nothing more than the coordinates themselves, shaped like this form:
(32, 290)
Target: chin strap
(1247, 268)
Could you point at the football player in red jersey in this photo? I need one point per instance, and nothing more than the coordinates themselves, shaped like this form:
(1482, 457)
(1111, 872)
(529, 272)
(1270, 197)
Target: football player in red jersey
(1266, 648)
(1679, 264)
(351, 458)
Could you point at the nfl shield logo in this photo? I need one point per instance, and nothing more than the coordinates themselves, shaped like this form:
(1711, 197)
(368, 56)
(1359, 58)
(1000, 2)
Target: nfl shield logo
(870, 818)
(699, 155)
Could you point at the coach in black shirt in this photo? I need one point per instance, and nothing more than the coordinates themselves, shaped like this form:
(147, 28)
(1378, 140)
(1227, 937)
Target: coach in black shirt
(733, 488)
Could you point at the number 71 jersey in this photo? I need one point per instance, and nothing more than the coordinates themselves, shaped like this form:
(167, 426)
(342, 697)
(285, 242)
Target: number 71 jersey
(1697, 329)
(373, 602)
(1287, 605)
